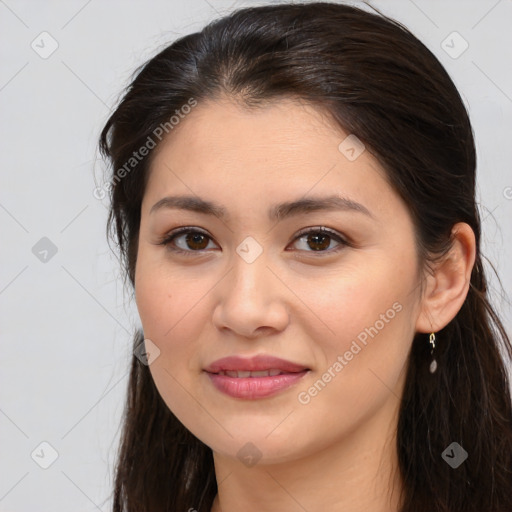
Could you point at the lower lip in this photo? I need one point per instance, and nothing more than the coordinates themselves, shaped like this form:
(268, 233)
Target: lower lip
(252, 388)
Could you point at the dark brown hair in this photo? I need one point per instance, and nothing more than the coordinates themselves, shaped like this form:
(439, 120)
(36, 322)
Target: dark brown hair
(379, 82)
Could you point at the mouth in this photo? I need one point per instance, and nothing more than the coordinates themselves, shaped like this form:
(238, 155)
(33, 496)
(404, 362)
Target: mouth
(249, 385)
(255, 378)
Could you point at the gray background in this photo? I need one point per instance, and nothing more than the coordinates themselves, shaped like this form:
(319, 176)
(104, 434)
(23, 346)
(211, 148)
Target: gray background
(66, 321)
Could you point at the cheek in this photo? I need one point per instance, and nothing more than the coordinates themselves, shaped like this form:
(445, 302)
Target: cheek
(363, 362)
(364, 334)
(171, 305)
(346, 305)
(171, 317)
(166, 298)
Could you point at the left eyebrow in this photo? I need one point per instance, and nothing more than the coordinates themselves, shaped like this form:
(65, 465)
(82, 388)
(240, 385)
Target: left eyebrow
(277, 212)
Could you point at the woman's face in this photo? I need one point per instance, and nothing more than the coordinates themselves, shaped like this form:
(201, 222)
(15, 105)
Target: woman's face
(250, 283)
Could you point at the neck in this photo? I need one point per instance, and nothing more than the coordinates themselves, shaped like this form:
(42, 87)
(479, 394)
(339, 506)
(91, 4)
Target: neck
(358, 473)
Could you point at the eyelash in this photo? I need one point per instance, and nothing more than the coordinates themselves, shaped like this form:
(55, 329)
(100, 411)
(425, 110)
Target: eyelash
(170, 237)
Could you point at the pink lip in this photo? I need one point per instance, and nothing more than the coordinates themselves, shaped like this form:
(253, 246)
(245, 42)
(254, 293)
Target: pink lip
(254, 387)
(253, 364)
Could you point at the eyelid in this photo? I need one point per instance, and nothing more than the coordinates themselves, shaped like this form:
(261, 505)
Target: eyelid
(322, 229)
(342, 240)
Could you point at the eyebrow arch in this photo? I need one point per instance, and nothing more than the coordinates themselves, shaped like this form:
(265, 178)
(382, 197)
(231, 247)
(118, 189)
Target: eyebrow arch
(276, 213)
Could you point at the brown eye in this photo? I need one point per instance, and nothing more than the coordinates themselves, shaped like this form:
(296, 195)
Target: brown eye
(186, 241)
(196, 241)
(319, 239)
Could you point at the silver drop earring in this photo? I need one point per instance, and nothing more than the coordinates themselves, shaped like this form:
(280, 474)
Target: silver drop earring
(433, 364)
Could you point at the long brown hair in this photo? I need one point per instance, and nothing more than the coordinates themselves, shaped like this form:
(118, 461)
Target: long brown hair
(379, 82)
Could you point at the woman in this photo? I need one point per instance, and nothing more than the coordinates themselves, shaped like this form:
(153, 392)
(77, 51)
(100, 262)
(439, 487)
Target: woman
(293, 195)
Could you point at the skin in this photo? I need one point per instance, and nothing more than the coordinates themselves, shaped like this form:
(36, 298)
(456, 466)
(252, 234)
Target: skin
(337, 452)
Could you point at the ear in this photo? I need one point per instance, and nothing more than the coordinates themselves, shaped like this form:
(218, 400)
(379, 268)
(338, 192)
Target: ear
(448, 285)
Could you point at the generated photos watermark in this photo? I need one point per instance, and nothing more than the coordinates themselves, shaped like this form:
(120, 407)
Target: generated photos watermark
(151, 141)
(305, 397)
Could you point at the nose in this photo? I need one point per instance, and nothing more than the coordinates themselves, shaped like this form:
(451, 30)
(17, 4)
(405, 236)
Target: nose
(251, 300)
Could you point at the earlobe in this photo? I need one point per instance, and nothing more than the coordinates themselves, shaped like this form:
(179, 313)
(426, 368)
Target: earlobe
(448, 286)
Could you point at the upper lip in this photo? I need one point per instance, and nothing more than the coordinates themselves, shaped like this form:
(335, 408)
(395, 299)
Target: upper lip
(254, 364)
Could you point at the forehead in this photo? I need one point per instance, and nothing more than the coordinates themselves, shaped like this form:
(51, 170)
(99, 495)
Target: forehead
(283, 126)
(286, 148)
